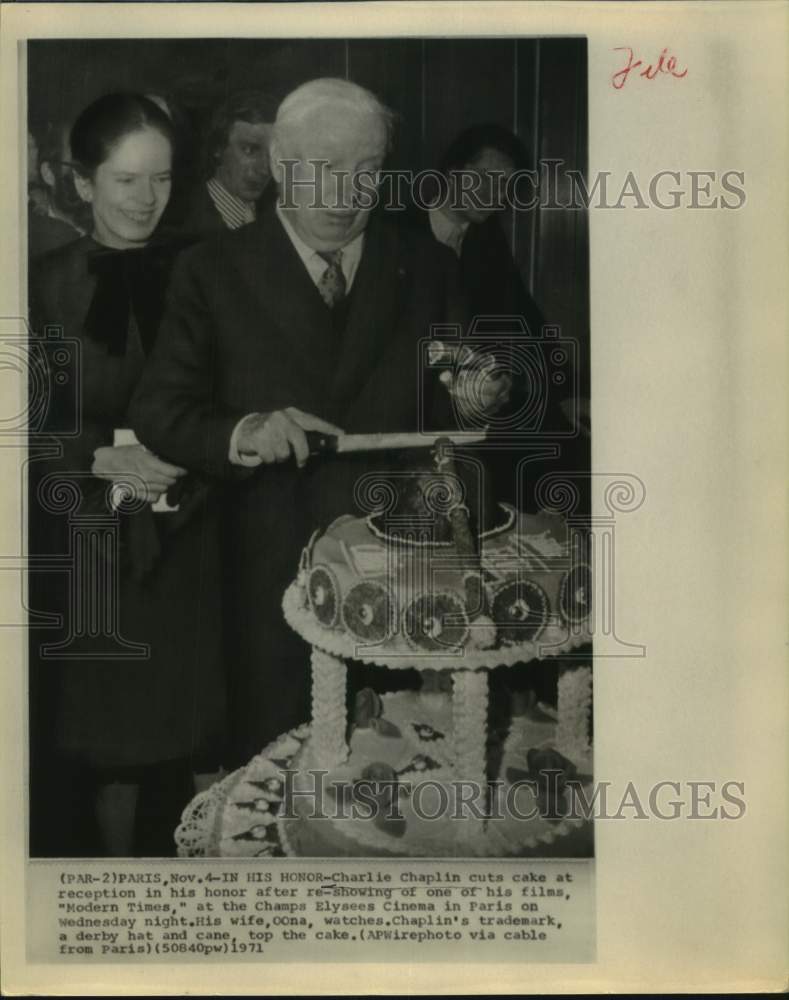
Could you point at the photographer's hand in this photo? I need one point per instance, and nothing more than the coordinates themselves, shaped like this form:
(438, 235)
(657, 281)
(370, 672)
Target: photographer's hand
(479, 386)
(145, 476)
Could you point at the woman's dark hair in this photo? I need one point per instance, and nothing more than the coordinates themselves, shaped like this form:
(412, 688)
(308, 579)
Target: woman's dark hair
(252, 106)
(465, 147)
(103, 124)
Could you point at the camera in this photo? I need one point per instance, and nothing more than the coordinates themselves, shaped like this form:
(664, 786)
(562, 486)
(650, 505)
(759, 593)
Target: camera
(543, 369)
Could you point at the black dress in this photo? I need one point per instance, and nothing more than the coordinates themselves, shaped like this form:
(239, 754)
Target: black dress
(134, 674)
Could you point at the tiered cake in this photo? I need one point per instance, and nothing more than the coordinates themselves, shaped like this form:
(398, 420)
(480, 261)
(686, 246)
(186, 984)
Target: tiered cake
(420, 772)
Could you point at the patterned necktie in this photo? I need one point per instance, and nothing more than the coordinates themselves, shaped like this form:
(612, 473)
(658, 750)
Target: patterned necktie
(332, 285)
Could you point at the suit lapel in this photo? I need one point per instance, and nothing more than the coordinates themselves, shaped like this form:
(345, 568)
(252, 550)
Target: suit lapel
(374, 308)
(288, 302)
(309, 353)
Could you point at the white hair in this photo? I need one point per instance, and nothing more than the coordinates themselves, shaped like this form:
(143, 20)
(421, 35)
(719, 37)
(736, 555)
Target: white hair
(324, 93)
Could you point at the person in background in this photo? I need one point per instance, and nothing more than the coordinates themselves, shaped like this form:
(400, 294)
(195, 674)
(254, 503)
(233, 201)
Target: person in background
(124, 722)
(56, 214)
(477, 165)
(33, 187)
(236, 166)
(465, 216)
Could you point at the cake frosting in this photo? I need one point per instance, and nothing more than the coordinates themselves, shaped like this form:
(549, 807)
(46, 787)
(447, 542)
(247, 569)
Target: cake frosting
(389, 776)
(383, 596)
(267, 808)
(419, 796)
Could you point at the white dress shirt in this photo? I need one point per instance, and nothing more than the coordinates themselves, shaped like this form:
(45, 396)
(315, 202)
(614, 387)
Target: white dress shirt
(316, 267)
(447, 229)
(312, 260)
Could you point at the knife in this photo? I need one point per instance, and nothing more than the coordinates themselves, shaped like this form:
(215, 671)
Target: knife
(321, 444)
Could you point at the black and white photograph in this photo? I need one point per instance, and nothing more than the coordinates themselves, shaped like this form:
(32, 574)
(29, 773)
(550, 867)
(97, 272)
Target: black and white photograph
(393, 439)
(322, 328)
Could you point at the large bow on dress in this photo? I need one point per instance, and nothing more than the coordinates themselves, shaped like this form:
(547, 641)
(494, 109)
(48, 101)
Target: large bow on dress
(129, 283)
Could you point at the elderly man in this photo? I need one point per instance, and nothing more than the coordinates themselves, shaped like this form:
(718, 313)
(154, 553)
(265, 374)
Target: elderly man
(236, 167)
(309, 319)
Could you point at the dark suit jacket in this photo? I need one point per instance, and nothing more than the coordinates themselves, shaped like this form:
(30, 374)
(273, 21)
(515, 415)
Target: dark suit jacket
(246, 330)
(45, 234)
(490, 280)
(200, 217)
(498, 303)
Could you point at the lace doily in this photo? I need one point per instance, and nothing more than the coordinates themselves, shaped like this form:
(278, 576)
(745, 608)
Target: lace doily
(210, 828)
(199, 832)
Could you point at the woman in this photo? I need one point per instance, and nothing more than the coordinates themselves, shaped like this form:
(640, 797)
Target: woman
(121, 709)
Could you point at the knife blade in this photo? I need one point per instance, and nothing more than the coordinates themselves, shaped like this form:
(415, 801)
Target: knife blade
(321, 444)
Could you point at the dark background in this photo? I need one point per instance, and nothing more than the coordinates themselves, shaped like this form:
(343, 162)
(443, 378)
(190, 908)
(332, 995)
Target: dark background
(536, 87)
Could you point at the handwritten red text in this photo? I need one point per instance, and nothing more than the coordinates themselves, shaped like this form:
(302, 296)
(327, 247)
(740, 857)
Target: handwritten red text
(666, 64)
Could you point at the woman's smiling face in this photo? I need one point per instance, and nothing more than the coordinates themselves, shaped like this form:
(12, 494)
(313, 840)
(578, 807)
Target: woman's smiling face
(130, 189)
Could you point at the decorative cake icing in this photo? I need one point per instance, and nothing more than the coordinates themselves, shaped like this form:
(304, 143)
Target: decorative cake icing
(373, 594)
(402, 788)
(406, 785)
(420, 772)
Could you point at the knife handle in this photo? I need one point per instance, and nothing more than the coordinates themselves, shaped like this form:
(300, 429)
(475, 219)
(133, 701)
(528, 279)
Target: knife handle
(320, 443)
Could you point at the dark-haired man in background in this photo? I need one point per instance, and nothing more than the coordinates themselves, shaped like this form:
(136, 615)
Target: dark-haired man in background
(236, 165)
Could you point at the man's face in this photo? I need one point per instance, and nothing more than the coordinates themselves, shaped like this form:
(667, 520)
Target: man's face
(482, 192)
(327, 212)
(243, 166)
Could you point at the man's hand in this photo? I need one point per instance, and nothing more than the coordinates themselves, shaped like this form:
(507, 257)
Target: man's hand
(479, 386)
(129, 462)
(275, 436)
